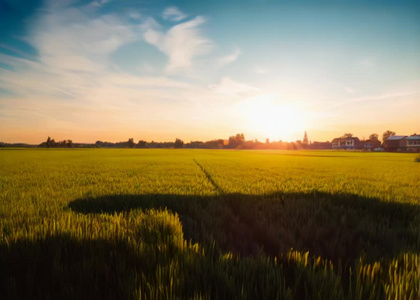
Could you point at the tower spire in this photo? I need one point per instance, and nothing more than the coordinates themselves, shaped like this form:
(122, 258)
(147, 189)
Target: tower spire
(305, 139)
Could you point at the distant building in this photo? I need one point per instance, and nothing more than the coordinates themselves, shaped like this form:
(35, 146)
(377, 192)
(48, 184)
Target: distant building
(369, 145)
(319, 145)
(305, 139)
(413, 143)
(395, 143)
(403, 143)
(346, 143)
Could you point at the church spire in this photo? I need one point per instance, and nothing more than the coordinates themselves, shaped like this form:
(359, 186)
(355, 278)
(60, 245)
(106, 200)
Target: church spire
(305, 139)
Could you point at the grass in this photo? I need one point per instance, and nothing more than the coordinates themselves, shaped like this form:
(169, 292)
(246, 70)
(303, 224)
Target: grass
(153, 224)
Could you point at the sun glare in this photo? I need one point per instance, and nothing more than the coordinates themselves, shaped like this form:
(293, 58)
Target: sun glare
(265, 116)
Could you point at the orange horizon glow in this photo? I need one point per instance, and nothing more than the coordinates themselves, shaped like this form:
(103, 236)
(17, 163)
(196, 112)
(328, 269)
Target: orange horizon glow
(88, 72)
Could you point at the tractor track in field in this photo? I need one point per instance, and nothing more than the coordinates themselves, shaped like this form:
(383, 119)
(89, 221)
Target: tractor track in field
(218, 189)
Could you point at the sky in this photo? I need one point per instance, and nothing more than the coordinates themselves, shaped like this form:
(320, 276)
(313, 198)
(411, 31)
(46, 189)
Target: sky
(201, 70)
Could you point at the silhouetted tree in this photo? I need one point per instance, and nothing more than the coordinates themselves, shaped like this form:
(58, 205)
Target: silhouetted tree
(131, 143)
(374, 139)
(387, 134)
(178, 143)
(348, 135)
(48, 143)
(70, 143)
(237, 140)
(142, 144)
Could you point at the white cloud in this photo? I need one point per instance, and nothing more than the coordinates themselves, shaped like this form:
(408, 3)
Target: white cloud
(134, 15)
(230, 87)
(228, 59)
(70, 39)
(172, 13)
(74, 59)
(72, 85)
(182, 43)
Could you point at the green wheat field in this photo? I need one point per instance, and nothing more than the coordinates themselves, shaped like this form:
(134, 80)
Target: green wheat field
(210, 224)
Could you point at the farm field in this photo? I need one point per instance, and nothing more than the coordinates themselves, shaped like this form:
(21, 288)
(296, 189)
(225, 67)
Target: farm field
(211, 224)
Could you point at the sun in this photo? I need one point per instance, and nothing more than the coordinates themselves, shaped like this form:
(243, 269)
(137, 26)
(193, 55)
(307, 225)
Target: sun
(265, 116)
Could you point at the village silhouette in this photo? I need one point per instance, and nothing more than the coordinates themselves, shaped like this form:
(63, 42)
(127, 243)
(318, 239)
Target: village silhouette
(390, 142)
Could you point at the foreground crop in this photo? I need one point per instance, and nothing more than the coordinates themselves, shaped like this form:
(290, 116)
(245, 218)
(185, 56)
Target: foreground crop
(174, 224)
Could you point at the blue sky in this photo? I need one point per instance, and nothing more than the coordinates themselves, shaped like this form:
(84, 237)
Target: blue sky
(200, 70)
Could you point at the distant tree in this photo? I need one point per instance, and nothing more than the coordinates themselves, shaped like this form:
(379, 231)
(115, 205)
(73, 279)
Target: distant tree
(387, 134)
(194, 144)
(237, 140)
(131, 143)
(348, 135)
(374, 139)
(178, 143)
(267, 141)
(291, 146)
(232, 142)
(48, 143)
(142, 144)
(70, 143)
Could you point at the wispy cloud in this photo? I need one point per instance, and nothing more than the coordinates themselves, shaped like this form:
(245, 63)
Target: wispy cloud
(135, 15)
(75, 48)
(172, 13)
(70, 39)
(98, 3)
(230, 58)
(182, 43)
(230, 87)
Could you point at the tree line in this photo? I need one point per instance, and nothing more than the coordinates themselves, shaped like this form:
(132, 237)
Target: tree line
(237, 141)
(51, 143)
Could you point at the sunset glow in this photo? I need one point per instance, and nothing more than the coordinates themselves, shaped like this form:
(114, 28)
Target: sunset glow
(266, 116)
(110, 70)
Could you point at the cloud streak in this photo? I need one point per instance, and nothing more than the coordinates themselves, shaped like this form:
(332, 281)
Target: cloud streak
(230, 87)
(72, 85)
(230, 58)
(89, 65)
(182, 43)
(70, 39)
(172, 13)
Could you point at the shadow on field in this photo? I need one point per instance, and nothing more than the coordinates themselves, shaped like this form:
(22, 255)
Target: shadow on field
(64, 267)
(145, 255)
(338, 227)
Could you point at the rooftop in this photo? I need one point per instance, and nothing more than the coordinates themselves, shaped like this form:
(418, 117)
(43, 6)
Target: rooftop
(396, 137)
